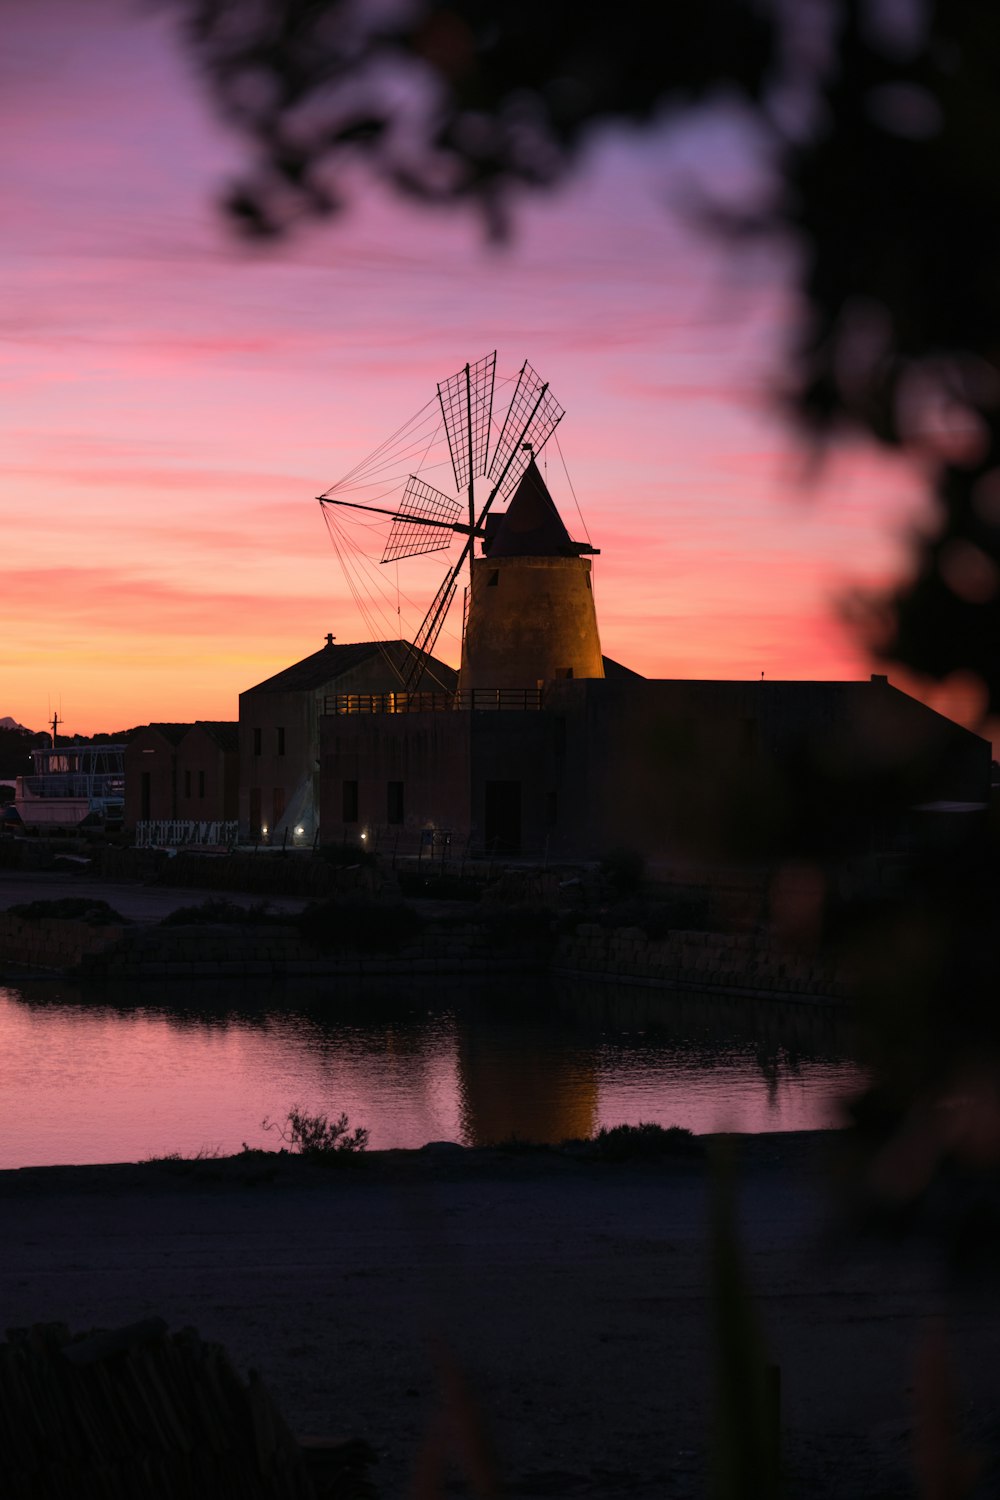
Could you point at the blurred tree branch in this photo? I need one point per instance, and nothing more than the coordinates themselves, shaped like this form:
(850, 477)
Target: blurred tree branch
(882, 124)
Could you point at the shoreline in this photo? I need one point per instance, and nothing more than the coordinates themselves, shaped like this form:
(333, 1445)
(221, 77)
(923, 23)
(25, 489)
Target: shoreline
(447, 1159)
(574, 1299)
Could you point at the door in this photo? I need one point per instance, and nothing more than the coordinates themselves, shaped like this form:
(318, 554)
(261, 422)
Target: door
(502, 817)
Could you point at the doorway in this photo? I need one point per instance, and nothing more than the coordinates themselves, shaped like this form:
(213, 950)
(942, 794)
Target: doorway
(502, 817)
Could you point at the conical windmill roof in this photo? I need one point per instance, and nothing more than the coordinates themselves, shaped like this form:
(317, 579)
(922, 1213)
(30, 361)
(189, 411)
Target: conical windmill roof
(531, 526)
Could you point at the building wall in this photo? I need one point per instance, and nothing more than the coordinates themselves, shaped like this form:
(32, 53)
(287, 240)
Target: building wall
(677, 770)
(427, 752)
(150, 754)
(717, 769)
(207, 778)
(280, 780)
(277, 756)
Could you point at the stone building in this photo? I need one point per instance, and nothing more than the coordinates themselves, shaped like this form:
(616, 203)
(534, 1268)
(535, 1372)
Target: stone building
(279, 730)
(151, 790)
(182, 773)
(208, 772)
(550, 751)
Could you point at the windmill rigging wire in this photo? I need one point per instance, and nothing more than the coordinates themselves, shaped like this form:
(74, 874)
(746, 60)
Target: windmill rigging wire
(355, 565)
(377, 636)
(382, 447)
(571, 489)
(373, 473)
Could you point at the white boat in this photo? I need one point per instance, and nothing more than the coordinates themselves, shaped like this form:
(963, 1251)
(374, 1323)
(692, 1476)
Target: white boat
(73, 784)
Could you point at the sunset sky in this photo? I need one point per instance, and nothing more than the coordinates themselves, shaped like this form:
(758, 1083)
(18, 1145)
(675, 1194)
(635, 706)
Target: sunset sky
(172, 402)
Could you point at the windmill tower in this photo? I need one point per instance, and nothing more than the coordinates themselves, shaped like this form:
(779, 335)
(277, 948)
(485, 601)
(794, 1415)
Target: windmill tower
(531, 606)
(529, 601)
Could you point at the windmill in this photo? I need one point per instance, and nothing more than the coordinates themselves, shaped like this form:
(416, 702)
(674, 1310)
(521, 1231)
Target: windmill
(426, 519)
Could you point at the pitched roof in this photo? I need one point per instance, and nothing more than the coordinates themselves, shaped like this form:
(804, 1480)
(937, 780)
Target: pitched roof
(326, 665)
(617, 673)
(172, 732)
(530, 526)
(225, 732)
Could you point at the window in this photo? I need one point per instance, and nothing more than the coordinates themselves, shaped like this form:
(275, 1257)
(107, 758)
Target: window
(277, 804)
(187, 783)
(255, 811)
(201, 783)
(256, 741)
(349, 802)
(281, 739)
(394, 802)
(493, 579)
(564, 671)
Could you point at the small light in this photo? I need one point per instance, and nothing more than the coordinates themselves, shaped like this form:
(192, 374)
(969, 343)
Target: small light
(300, 831)
(364, 835)
(264, 828)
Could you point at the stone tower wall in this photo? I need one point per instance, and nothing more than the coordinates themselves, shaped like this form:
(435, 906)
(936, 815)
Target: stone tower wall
(531, 620)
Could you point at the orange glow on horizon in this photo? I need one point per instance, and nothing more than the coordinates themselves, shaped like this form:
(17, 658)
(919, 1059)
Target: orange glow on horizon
(173, 404)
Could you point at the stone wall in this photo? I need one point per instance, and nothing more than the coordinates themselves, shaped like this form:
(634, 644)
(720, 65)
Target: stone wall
(54, 943)
(698, 961)
(259, 951)
(728, 962)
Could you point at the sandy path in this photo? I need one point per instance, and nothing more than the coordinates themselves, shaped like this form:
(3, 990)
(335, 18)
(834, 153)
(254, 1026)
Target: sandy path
(573, 1296)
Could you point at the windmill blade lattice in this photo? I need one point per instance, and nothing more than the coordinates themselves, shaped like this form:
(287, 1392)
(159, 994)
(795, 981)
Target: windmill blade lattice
(423, 522)
(467, 407)
(531, 419)
(426, 639)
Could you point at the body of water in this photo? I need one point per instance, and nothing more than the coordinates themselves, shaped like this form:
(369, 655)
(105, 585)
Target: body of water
(103, 1075)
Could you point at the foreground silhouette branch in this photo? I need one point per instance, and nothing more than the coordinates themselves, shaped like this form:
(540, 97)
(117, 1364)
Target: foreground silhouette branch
(881, 126)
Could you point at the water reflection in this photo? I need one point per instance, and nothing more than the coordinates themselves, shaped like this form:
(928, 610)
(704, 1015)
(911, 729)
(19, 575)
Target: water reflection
(115, 1074)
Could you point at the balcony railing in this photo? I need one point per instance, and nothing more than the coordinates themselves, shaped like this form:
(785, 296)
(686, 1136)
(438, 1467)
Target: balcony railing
(473, 699)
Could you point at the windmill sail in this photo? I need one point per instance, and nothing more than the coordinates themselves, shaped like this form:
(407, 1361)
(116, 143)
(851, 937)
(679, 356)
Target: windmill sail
(422, 523)
(426, 638)
(530, 421)
(467, 407)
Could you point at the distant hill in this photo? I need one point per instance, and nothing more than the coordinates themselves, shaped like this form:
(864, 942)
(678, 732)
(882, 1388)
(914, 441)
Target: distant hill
(8, 723)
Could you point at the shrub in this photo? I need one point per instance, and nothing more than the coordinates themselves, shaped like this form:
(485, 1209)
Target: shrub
(317, 1135)
(623, 870)
(217, 911)
(345, 855)
(73, 909)
(359, 924)
(644, 1141)
(681, 911)
(519, 927)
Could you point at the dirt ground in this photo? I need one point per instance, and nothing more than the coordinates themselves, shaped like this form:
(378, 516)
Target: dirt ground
(570, 1295)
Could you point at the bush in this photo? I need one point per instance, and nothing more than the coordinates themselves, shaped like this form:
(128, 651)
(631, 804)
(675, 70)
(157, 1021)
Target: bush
(519, 927)
(684, 911)
(644, 1142)
(359, 925)
(318, 1136)
(345, 855)
(219, 911)
(72, 909)
(623, 870)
